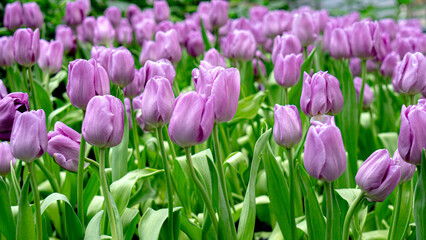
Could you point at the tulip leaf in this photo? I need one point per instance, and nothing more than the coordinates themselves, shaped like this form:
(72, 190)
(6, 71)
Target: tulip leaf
(93, 230)
(296, 91)
(43, 99)
(130, 219)
(190, 229)
(404, 215)
(389, 141)
(25, 228)
(119, 154)
(152, 221)
(7, 224)
(206, 40)
(420, 200)
(248, 107)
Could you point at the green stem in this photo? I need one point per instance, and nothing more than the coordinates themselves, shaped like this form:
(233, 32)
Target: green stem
(80, 178)
(159, 134)
(201, 189)
(349, 215)
(36, 201)
(292, 194)
(412, 100)
(361, 93)
(92, 162)
(33, 91)
(25, 77)
(141, 164)
(329, 202)
(396, 211)
(53, 182)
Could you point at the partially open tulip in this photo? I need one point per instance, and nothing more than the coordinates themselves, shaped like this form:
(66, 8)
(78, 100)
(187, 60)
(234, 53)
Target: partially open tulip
(410, 74)
(162, 67)
(192, 119)
(305, 28)
(204, 77)
(362, 39)
(26, 46)
(368, 93)
(324, 155)
(5, 159)
(378, 176)
(287, 69)
(104, 32)
(86, 79)
(11, 106)
(218, 13)
(64, 146)
(32, 15)
(103, 125)
(74, 13)
(389, 63)
(101, 54)
(287, 129)
(124, 32)
(66, 36)
(161, 11)
(240, 45)
(276, 23)
(88, 29)
(194, 43)
(136, 87)
(3, 90)
(13, 16)
(29, 136)
(51, 54)
(407, 169)
(113, 14)
(149, 52)
(168, 46)
(6, 51)
(339, 44)
(213, 57)
(144, 30)
(285, 44)
(121, 67)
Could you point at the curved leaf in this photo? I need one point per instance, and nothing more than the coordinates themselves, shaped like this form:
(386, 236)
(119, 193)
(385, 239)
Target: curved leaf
(152, 221)
(7, 225)
(93, 230)
(25, 228)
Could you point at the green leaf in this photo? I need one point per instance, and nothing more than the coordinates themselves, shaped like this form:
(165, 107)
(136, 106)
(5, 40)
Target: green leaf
(7, 224)
(348, 194)
(56, 112)
(43, 99)
(405, 206)
(152, 221)
(389, 141)
(93, 230)
(375, 235)
(206, 41)
(25, 228)
(118, 154)
(296, 91)
(130, 219)
(420, 200)
(248, 107)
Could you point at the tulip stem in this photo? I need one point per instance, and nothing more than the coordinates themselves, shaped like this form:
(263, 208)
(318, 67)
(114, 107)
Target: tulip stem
(292, 195)
(201, 189)
(361, 93)
(349, 215)
(53, 182)
(36, 201)
(141, 164)
(33, 91)
(80, 178)
(159, 133)
(412, 100)
(329, 202)
(396, 211)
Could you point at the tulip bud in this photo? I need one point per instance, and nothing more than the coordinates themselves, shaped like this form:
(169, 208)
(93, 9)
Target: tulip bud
(225, 92)
(137, 108)
(103, 125)
(5, 159)
(51, 54)
(285, 44)
(304, 28)
(407, 169)
(372, 66)
(412, 135)
(162, 67)
(136, 87)
(101, 54)
(74, 13)
(32, 15)
(355, 66)
(339, 44)
(88, 29)
(13, 16)
(6, 51)
(276, 23)
(287, 69)
(404, 45)
(65, 35)
(168, 46)
(121, 67)
(258, 67)
(378, 176)
(389, 63)
(218, 13)
(257, 13)
(362, 39)
(64, 146)
(194, 43)
(161, 11)
(410, 74)
(368, 93)
(381, 45)
(104, 32)
(11, 106)
(192, 119)
(321, 94)
(240, 45)
(86, 79)
(145, 30)
(149, 52)
(26, 46)
(124, 32)
(324, 156)
(213, 57)
(85, 5)
(113, 14)
(3, 90)
(288, 126)
(132, 10)
(28, 140)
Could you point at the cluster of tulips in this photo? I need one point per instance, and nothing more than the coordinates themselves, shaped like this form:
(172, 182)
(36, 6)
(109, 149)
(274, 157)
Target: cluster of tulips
(330, 78)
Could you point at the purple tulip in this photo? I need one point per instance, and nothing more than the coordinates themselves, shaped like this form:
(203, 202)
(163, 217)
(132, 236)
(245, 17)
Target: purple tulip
(372, 66)
(168, 46)
(412, 135)
(28, 140)
(124, 32)
(407, 169)
(3, 90)
(74, 13)
(121, 67)
(287, 69)
(113, 14)
(162, 67)
(137, 108)
(101, 54)
(288, 126)
(32, 15)
(161, 11)
(404, 45)
(127, 105)
(204, 77)
(194, 43)
(86, 79)
(88, 29)
(389, 63)
(64, 146)
(362, 39)
(26, 46)
(6, 51)
(85, 5)
(104, 32)
(13, 16)
(136, 87)
(410, 74)
(240, 45)
(324, 155)
(213, 57)
(149, 52)
(276, 23)
(103, 125)
(321, 18)
(257, 13)
(368, 93)
(5, 159)
(388, 26)
(132, 10)
(192, 119)
(285, 44)
(304, 28)
(355, 66)
(203, 14)
(218, 13)
(339, 44)
(165, 26)
(382, 46)
(145, 30)
(258, 67)
(11, 106)
(321, 94)
(378, 176)
(66, 36)
(225, 93)
(51, 54)
(256, 29)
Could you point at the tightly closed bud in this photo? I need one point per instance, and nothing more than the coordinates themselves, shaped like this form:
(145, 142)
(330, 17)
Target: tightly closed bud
(362, 39)
(192, 119)
(136, 87)
(225, 92)
(3, 90)
(88, 29)
(218, 13)
(13, 16)
(368, 93)
(104, 32)
(11, 106)
(276, 23)
(86, 79)
(161, 11)
(51, 54)
(6, 51)
(305, 28)
(389, 63)
(288, 126)
(26, 46)
(144, 30)
(124, 32)
(324, 156)
(168, 46)
(194, 43)
(287, 69)
(103, 125)
(378, 176)
(240, 45)
(74, 13)
(29, 136)
(121, 67)
(410, 74)
(101, 54)
(407, 169)
(113, 14)
(32, 15)
(65, 35)
(321, 94)
(355, 66)
(412, 135)
(162, 67)
(285, 44)
(64, 146)
(339, 44)
(213, 57)
(127, 105)
(5, 159)
(149, 52)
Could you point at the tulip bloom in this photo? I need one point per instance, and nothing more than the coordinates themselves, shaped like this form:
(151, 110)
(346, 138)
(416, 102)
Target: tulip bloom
(355, 66)
(339, 44)
(368, 93)
(124, 32)
(5, 159)
(225, 92)
(26, 46)
(104, 32)
(113, 14)
(213, 57)
(32, 15)
(66, 36)
(162, 67)
(6, 51)
(161, 11)
(285, 45)
(287, 69)
(276, 23)
(144, 30)
(257, 13)
(121, 67)
(86, 79)
(240, 45)
(378, 176)
(101, 54)
(305, 28)
(149, 52)
(362, 39)
(407, 169)
(389, 63)
(410, 74)
(103, 125)
(324, 155)
(136, 87)
(29, 136)
(194, 43)
(74, 13)
(11, 106)
(168, 46)
(64, 146)
(287, 129)
(218, 13)
(51, 54)
(88, 29)
(192, 119)
(3, 90)
(13, 16)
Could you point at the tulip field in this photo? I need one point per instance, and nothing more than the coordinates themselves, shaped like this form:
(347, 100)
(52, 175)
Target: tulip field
(231, 120)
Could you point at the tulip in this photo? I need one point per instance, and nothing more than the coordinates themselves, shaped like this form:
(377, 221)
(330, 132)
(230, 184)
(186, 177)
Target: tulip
(6, 51)
(121, 67)
(388, 26)
(168, 46)
(410, 74)
(204, 77)
(192, 119)
(372, 66)
(28, 140)
(104, 32)
(287, 69)
(194, 43)
(258, 67)
(86, 79)
(11, 106)
(26, 46)
(276, 23)
(149, 52)
(162, 67)
(304, 28)
(322, 18)
(218, 13)
(127, 105)
(136, 87)
(88, 29)
(132, 10)
(287, 129)
(165, 26)
(407, 169)
(66, 36)
(74, 13)
(144, 30)
(51, 54)
(324, 155)
(368, 93)
(321, 94)
(240, 45)
(101, 54)
(355, 66)
(85, 5)
(404, 45)
(389, 63)
(257, 13)
(103, 125)
(113, 14)
(5, 159)
(3, 90)
(285, 44)
(382, 46)
(203, 14)
(137, 108)
(124, 32)
(64, 146)
(362, 39)
(339, 44)
(213, 57)
(225, 92)
(412, 135)
(13, 16)
(32, 15)
(378, 176)
(161, 11)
